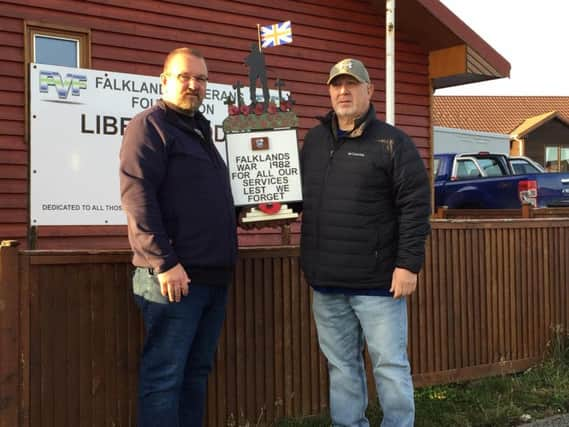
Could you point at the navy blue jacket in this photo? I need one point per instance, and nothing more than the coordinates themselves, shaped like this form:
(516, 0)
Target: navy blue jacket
(175, 191)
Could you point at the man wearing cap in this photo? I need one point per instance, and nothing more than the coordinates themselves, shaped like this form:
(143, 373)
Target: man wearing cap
(365, 220)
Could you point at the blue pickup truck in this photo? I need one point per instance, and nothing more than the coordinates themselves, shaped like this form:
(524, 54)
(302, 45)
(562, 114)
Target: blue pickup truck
(495, 181)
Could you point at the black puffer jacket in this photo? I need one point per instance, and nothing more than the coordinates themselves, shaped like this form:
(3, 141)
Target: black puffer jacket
(366, 204)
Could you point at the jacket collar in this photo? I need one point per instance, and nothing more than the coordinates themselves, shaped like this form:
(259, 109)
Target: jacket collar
(360, 126)
(173, 115)
(197, 123)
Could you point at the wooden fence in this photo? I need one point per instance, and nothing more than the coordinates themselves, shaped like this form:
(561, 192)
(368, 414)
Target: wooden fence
(70, 335)
(526, 211)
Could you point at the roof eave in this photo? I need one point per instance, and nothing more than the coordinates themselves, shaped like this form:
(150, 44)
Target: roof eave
(532, 123)
(440, 32)
(461, 79)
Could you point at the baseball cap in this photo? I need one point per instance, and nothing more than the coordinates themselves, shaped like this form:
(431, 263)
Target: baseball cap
(349, 67)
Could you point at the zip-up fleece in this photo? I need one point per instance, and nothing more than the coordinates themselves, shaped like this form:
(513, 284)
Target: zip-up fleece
(366, 204)
(175, 191)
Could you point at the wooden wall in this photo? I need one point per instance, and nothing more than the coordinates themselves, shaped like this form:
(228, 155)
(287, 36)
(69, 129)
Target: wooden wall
(553, 133)
(489, 298)
(134, 36)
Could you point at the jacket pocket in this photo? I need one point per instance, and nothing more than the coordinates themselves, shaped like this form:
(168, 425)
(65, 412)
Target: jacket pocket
(385, 257)
(146, 286)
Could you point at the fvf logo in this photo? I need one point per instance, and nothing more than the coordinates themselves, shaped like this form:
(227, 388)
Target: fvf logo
(71, 82)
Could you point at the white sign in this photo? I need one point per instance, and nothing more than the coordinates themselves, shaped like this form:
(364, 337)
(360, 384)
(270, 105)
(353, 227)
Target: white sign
(264, 167)
(77, 119)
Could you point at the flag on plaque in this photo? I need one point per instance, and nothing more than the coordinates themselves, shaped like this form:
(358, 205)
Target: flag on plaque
(276, 34)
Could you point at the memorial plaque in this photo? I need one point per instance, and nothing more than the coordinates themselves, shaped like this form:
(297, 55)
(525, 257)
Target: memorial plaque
(262, 148)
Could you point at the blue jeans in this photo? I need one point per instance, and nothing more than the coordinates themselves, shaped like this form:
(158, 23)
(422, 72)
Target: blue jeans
(178, 353)
(343, 323)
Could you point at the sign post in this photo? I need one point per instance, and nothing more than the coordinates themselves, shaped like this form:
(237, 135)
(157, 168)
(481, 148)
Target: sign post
(262, 153)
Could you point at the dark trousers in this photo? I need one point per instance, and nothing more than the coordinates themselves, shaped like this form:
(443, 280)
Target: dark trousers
(179, 348)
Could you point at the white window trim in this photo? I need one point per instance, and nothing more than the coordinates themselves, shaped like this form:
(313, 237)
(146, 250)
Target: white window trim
(49, 36)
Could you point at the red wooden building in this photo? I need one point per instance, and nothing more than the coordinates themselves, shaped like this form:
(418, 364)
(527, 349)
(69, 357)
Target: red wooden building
(434, 49)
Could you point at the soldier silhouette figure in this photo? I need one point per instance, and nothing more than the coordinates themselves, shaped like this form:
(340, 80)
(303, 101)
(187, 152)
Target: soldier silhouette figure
(257, 70)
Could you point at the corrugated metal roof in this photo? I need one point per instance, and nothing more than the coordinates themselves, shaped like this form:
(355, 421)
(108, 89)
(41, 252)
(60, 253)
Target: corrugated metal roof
(500, 114)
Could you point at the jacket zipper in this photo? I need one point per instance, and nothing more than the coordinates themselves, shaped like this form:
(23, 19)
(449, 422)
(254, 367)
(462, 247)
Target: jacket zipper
(217, 163)
(320, 198)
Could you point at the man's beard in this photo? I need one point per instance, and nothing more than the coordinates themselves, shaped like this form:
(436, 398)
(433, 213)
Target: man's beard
(191, 103)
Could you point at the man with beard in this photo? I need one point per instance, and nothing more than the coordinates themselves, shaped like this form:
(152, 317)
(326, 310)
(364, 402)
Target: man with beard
(181, 226)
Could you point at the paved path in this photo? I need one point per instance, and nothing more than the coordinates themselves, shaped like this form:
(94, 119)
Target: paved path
(556, 421)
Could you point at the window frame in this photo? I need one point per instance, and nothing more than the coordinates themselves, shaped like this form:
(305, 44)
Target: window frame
(76, 42)
(558, 160)
(82, 36)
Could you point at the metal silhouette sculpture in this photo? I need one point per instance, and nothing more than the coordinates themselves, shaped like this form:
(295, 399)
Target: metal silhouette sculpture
(255, 115)
(257, 71)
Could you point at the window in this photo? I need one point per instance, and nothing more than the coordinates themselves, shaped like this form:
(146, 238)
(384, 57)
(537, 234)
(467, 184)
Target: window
(466, 168)
(557, 158)
(523, 167)
(56, 50)
(491, 167)
(436, 163)
(57, 45)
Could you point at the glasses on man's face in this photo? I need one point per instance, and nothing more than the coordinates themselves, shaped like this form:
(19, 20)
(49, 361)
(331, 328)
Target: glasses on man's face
(187, 78)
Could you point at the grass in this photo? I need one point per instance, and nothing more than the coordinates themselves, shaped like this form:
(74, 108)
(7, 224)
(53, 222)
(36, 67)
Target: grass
(539, 392)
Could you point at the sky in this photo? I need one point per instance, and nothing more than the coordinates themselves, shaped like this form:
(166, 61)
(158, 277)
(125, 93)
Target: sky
(532, 35)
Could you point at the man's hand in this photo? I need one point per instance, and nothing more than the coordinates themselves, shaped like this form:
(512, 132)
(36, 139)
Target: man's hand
(174, 283)
(403, 282)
